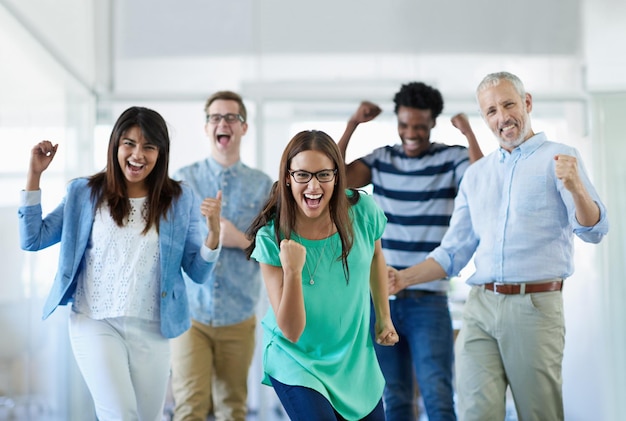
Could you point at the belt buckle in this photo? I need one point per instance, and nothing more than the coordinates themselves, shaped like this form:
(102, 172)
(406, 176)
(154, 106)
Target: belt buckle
(495, 287)
(522, 287)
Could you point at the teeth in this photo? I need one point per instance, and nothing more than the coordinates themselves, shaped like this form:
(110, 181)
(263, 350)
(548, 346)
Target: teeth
(507, 127)
(313, 196)
(135, 164)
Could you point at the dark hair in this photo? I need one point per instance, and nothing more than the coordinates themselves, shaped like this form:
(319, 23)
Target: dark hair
(109, 185)
(227, 96)
(421, 96)
(282, 207)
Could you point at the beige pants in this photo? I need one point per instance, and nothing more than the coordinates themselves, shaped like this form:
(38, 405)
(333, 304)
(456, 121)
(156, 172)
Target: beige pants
(210, 371)
(510, 340)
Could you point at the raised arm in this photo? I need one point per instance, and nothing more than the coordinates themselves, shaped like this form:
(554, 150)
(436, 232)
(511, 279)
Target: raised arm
(284, 289)
(357, 172)
(461, 122)
(41, 155)
(211, 208)
(587, 211)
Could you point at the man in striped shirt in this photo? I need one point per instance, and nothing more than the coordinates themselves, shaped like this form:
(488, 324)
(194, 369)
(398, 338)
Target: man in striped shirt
(415, 183)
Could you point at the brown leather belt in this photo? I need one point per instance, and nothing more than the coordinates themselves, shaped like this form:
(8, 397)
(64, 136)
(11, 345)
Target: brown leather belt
(526, 288)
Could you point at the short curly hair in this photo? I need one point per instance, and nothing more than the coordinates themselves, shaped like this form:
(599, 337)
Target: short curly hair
(421, 96)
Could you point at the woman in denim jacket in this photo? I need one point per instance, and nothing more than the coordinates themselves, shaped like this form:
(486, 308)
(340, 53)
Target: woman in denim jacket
(125, 233)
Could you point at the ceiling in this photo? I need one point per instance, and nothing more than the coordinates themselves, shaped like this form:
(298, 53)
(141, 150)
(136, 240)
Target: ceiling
(251, 27)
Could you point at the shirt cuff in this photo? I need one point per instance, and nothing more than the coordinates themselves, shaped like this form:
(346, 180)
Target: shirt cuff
(30, 198)
(208, 254)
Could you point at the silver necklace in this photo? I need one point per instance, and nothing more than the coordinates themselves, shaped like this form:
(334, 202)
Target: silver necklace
(319, 259)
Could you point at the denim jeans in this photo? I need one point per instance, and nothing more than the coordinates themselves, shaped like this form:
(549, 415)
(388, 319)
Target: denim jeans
(305, 404)
(426, 348)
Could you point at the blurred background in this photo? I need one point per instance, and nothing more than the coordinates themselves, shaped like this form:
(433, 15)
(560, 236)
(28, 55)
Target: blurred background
(68, 68)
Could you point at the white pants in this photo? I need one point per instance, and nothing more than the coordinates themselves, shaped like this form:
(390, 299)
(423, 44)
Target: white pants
(125, 363)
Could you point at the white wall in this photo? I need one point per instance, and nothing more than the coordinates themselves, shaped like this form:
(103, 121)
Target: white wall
(40, 99)
(604, 49)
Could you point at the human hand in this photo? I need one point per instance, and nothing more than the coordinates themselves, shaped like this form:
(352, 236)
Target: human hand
(461, 122)
(386, 334)
(211, 208)
(231, 236)
(396, 280)
(41, 155)
(292, 256)
(367, 111)
(566, 170)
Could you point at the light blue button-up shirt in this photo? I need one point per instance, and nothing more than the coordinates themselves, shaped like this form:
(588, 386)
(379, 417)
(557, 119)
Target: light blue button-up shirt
(516, 217)
(233, 290)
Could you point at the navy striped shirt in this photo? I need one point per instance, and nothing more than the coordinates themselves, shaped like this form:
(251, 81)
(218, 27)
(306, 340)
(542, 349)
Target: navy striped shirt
(417, 195)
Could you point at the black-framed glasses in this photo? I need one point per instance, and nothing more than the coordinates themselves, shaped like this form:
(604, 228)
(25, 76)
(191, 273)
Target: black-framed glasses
(323, 176)
(230, 118)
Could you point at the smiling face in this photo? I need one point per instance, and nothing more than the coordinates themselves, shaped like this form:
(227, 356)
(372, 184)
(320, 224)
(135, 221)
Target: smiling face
(311, 198)
(414, 126)
(506, 113)
(137, 158)
(225, 137)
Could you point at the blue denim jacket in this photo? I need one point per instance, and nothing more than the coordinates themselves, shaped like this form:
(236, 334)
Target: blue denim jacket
(233, 290)
(181, 243)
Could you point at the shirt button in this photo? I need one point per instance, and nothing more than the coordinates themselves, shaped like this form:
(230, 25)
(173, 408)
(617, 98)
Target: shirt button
(164, 294)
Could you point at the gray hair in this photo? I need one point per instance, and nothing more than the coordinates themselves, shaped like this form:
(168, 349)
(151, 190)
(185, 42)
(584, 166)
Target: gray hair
(493, 79)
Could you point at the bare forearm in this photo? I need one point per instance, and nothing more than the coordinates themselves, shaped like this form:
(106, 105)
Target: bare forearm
(290, 315)
(212, 240)
(587, 211)
(236, 239)
(475, 153)
(32, 181)
(426, 271)
(347, 135)
(379, 287)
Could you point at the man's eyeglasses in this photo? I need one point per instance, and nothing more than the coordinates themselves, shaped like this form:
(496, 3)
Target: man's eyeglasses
(230, 118)
(323, 176)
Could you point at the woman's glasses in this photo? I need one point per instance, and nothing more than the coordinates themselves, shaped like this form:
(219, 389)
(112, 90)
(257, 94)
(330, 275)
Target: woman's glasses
(323, 176)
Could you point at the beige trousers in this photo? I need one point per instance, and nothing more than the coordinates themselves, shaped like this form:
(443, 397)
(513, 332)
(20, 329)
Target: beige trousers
(515, 341)
(210, 371)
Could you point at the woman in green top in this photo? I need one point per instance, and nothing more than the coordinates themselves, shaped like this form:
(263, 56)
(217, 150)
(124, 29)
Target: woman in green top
(320, 253)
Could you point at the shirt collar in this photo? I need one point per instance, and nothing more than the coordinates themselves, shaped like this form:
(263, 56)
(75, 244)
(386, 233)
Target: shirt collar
(526, 148)
(217, 168)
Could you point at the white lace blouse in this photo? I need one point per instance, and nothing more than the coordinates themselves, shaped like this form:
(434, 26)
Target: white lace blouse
(122, 271)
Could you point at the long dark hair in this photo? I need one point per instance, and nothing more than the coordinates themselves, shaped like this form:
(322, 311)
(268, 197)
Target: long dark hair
(281, 205)
(109, 185)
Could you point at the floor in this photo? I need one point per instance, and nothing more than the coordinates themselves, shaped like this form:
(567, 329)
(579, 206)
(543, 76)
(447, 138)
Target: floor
(275, 413)
(16, 410)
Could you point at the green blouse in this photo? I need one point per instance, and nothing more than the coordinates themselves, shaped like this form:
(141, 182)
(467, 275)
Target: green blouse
(335, 354)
